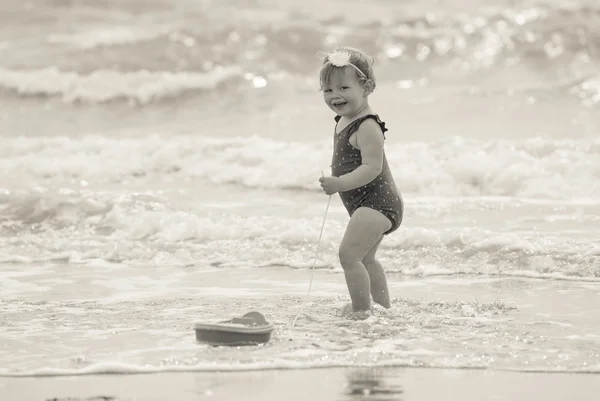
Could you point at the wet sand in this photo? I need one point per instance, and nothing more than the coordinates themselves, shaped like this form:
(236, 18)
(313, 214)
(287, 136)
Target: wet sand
(331, 384)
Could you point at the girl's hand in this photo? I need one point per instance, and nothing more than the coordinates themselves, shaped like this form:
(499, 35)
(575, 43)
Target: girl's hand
(330, 185)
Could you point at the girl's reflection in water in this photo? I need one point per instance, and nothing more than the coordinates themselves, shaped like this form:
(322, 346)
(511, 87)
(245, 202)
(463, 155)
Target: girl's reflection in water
(377, 384)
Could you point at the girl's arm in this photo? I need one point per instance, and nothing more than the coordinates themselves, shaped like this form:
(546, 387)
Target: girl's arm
(369, 140)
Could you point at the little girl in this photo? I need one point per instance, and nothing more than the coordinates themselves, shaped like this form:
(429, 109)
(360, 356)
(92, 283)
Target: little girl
(360, 174)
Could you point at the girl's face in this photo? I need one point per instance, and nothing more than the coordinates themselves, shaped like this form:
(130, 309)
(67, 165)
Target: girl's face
(344, 93)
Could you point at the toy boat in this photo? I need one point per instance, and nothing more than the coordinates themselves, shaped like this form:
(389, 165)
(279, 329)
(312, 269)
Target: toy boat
(250, 329)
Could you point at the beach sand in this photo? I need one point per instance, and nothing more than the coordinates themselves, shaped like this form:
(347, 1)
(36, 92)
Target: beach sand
(331, 384)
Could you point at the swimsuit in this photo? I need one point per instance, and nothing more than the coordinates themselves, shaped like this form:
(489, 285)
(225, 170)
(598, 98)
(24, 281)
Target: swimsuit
(380, 194)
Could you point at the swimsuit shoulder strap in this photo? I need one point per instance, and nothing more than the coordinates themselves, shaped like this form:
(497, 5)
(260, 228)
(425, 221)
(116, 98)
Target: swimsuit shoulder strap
(354, 125)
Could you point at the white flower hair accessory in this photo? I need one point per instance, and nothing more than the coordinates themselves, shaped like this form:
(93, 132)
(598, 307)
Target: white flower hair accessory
(341, 58)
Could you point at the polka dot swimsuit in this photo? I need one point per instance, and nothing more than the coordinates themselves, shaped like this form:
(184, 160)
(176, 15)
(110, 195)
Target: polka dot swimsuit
(380, 194)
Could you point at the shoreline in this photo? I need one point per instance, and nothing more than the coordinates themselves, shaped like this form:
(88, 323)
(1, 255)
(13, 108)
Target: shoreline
(116, 371)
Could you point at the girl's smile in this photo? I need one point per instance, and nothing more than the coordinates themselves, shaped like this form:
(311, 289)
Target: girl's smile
(344, 93)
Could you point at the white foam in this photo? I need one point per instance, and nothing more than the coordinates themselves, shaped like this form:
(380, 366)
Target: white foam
(264, 238)
(532, 168)
(275, 364)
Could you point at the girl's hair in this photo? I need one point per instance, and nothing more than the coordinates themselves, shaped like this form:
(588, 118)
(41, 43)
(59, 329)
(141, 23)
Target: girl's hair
(358, 58)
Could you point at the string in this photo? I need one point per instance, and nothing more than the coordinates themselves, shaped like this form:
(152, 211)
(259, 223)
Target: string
(315, 259)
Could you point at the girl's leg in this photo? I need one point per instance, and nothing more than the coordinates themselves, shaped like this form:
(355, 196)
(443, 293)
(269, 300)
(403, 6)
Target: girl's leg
(379, 287)
(365, 228)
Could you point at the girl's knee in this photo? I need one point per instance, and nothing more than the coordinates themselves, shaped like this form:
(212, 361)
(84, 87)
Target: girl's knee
(347, 256)
(369, 260)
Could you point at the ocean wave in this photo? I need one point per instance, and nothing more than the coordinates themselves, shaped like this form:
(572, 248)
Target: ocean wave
(101, 86)
(107, 37)
(545, 42)
(536, 168)
(146, 229)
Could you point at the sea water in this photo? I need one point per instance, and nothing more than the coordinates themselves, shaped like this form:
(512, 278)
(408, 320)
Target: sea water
(159, 166)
